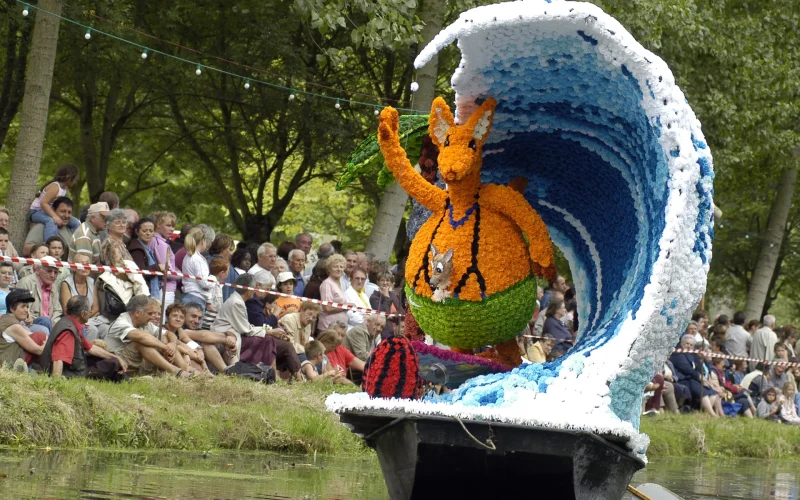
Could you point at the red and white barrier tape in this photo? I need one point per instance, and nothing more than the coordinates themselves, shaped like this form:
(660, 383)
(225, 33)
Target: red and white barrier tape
(125, 270)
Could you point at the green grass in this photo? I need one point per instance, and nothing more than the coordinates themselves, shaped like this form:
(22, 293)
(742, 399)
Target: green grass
(198, 414)
(233, 414)
(699, 435)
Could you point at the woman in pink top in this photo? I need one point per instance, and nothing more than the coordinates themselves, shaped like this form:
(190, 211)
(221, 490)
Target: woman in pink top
(165, 225)
(42, 207)
(331, 290)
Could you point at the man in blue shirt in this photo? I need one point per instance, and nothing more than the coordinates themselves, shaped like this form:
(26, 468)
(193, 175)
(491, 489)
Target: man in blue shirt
(297, 262)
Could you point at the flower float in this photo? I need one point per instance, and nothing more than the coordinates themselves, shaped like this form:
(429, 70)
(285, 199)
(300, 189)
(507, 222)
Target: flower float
(619, 170)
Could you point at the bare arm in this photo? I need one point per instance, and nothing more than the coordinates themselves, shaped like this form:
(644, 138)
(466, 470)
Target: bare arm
(147, 340)
(409, 179)
(58, 368)
(48, 196)
(64, 295)
(357, 365)
(23, 338)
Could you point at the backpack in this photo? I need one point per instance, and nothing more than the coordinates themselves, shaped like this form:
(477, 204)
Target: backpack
(260, 372)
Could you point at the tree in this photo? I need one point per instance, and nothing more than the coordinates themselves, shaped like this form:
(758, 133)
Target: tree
(35, 105)
(18, 39)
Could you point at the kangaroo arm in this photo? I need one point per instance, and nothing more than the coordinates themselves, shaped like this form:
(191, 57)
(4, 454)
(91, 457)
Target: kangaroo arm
(428, 195)
(513, 205)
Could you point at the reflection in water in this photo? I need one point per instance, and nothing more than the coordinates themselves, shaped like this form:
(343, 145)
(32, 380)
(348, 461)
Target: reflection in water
(184, 475)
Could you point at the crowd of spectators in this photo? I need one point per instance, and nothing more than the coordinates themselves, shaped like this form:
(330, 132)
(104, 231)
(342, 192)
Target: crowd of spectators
(115, 325)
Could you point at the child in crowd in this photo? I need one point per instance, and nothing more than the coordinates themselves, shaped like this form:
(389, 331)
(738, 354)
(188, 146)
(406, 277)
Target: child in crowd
(769, 407)
(789, 413)
(42, 212)
(6, 276)
(38, 251)
(316, 367)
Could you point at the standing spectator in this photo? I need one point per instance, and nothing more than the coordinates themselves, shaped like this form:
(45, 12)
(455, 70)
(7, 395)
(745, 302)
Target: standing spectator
(241, 261)
(764, 340)
(318, 276)
(538, 326)
(788, 339)
(351, 258)
(297, 260)
(323, 252)
(6, 277)
(160, 245)
(223, 246)
(144, 257)
(376, 268)
(738, 340)
(331, 291)
(178, 245)
(267, 258)
(218, 267)
(284, 248)
(357, 295)
(62, 207)
(114, 251)
(87, 236)
(133, 218)
(198, 291)
(81, 284)
(385, 300)
(303, 242)
(42, 210)
(46, 307)
(559, 285)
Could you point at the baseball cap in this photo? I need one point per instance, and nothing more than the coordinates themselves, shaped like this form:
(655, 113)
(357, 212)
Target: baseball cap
(100, 207)
(17, 295)
(285, 276)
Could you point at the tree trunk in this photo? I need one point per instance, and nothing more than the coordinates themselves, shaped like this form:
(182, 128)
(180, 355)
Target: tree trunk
(17, 47)
(771, 248)
(393, 204)
(33, 122)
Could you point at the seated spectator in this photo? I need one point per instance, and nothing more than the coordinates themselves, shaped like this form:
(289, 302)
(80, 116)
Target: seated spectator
(737, 372)
(385, 300)
(281, 266)
(538, 351)
(43, 209)
(38, 251)
(319, 274)
(556, 310)
(144, 257)
(376, 268)
(261, 308)
(331, 290)
(654, 403)
(287, 305)
(357, 295)
(313, 368)
(218, 267)
(339, 357)
(192, 352)
(198, 291)
(788, 411)
(7, 250)
(769, 407)
(726, 389)
(789, 339)
(63, 209)
(297, 262)
(300, 325)
(259, 343)
(779, 375)
(241, 261)
(18, 346)
(6, 277)
(219, 349)
(81, 284)
(689, 373)
(87, 236)
(224, 247)
(160, 245)
(360, 340)
(757, 381)
(673, 395)
(56, 249)
(69, 353)
(46, 308)
(136, 341)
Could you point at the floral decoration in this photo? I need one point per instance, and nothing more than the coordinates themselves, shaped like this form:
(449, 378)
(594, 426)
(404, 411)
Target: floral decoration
(619, 171)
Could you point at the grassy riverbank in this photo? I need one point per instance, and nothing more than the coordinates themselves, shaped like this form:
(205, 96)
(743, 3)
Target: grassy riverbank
(698, 435)
(227, 413)
(167, 413)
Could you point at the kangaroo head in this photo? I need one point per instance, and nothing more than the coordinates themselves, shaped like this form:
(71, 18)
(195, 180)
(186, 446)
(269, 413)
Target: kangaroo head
(441, 267)
(460, 145)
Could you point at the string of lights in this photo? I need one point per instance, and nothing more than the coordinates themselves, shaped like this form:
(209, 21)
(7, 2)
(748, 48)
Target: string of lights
(247, 82)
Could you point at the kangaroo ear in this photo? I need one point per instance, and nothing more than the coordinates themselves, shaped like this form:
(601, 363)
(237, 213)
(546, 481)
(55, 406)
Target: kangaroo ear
(480, 122)
(448, 256)
(441, 120)
(433, 250)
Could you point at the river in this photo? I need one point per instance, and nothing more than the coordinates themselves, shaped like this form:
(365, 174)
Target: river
(184, 475)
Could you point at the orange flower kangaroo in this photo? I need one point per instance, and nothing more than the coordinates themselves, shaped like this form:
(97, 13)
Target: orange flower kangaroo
(482, 223)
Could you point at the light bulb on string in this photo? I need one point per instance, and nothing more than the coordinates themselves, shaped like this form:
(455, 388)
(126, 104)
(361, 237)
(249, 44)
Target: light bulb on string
(337, 105)
(247, 84)
(747, 236)
(377, 112)
(291, 95)
(26, 10)
(88, 34)
(144, 54)
(414, 86)
(198, 71)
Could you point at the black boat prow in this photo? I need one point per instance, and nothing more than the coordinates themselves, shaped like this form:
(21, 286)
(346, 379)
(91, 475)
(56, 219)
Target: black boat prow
(440, 457)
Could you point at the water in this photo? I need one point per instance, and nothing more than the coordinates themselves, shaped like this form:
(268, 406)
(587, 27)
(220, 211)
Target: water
(183, 475)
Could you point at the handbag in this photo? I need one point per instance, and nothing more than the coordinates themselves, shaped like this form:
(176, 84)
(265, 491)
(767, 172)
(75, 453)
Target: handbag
(114, 305)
